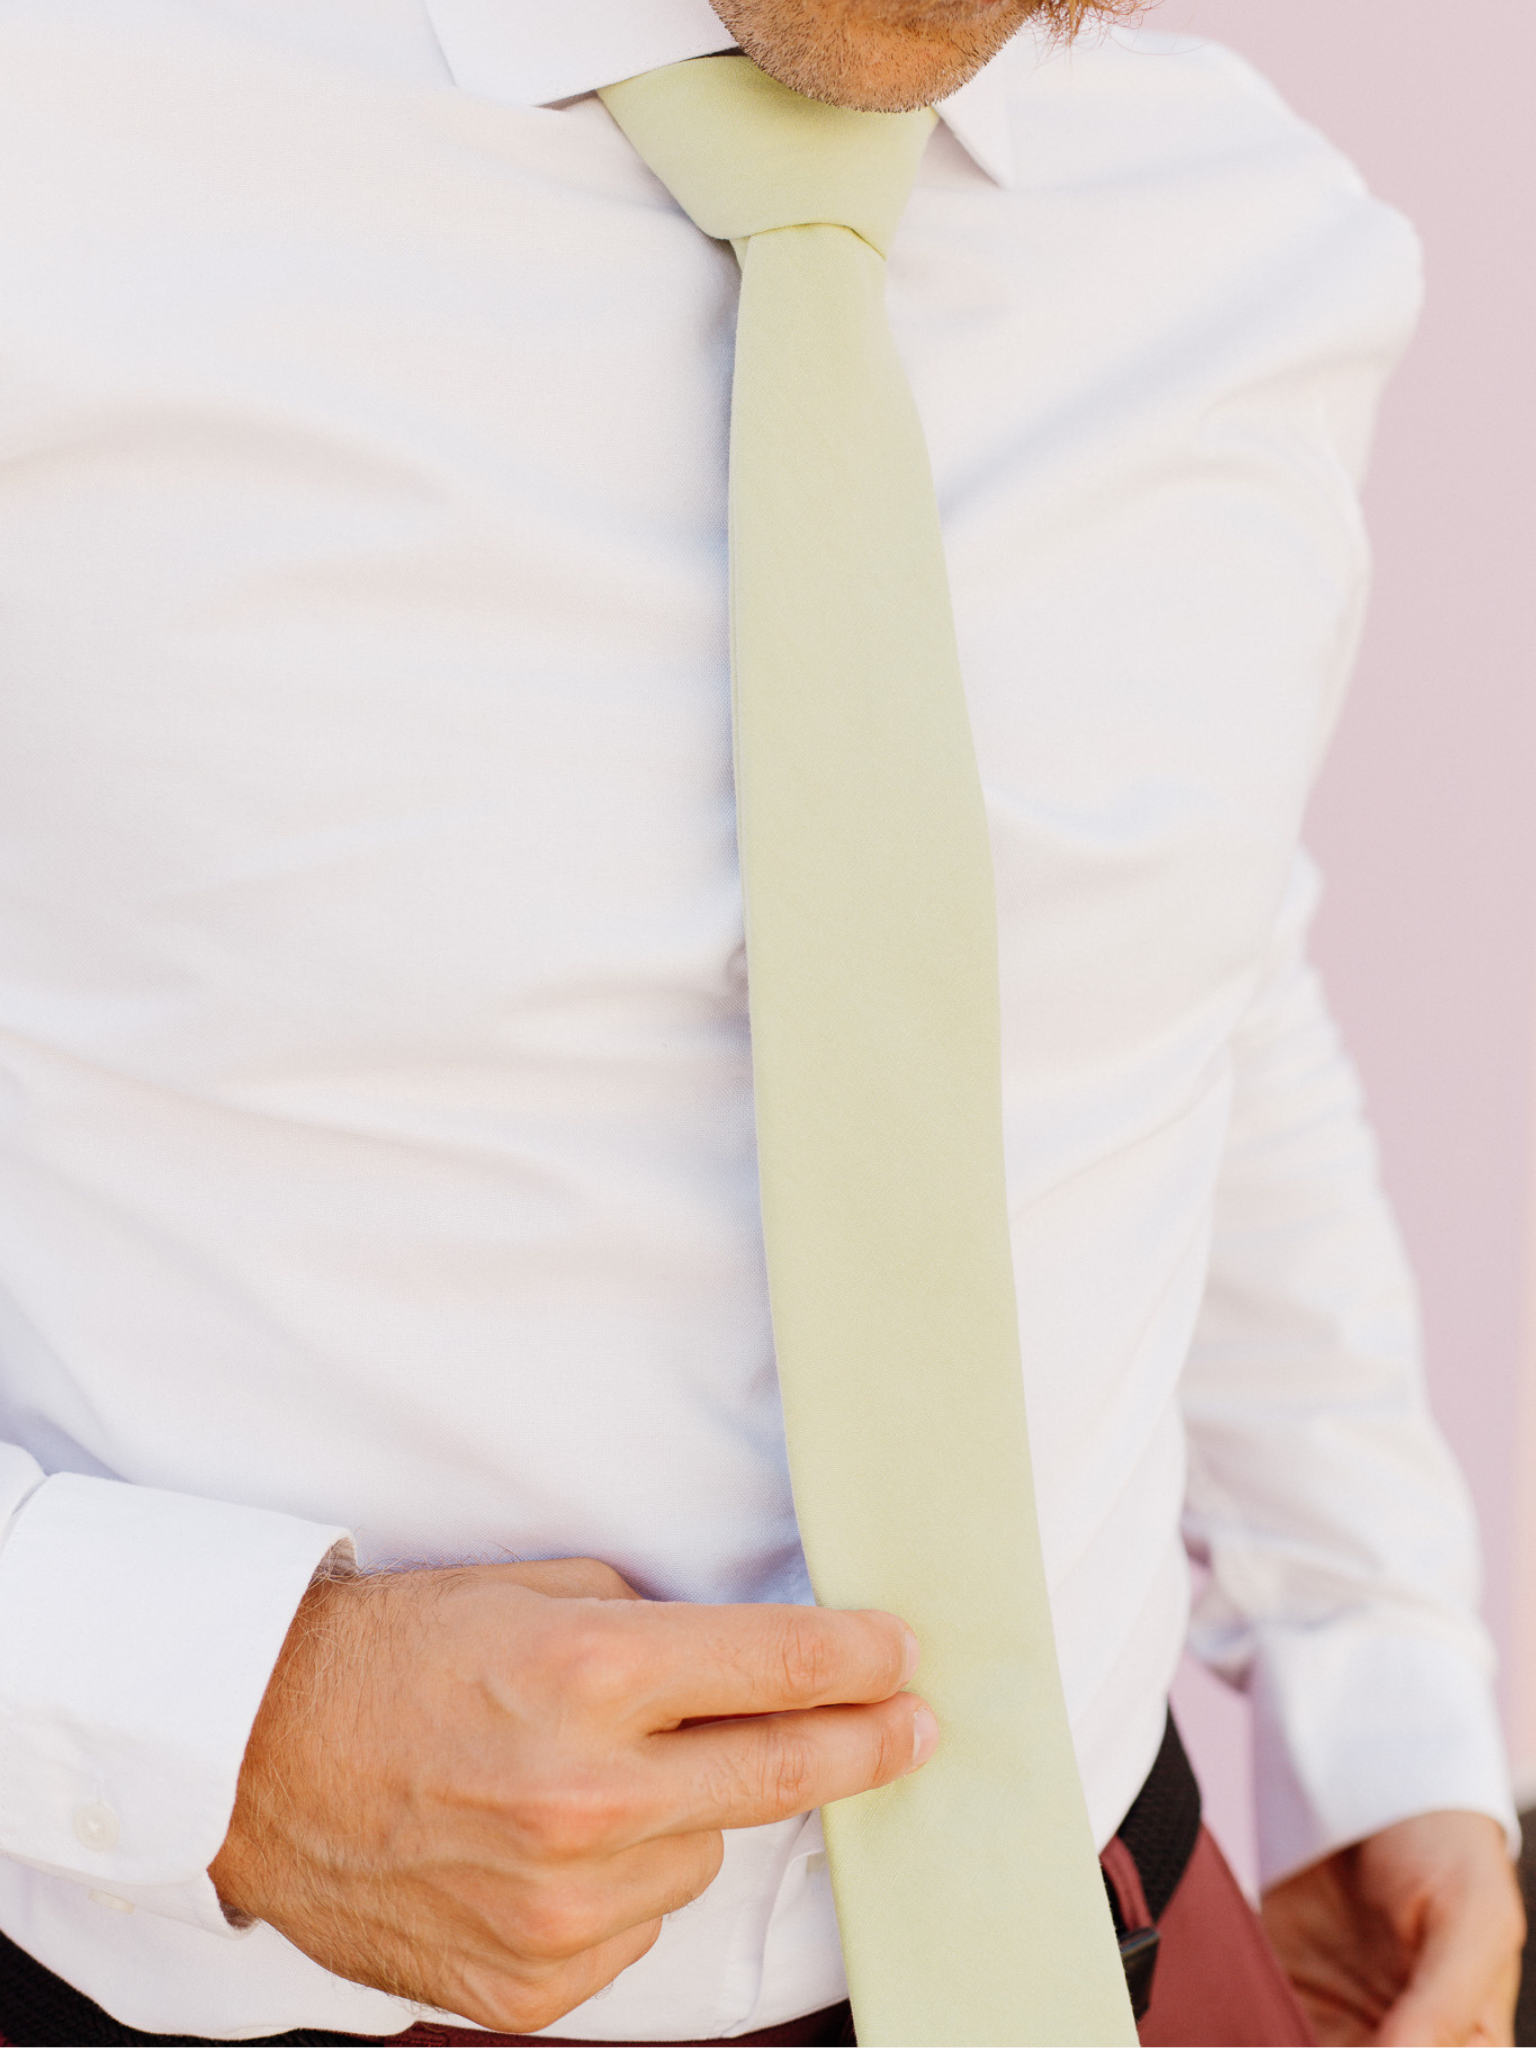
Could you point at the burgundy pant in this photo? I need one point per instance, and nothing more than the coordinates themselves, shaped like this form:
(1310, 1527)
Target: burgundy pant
(1218, 1984)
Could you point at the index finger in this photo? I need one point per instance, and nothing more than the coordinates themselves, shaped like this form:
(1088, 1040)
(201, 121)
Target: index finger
(687, 1663)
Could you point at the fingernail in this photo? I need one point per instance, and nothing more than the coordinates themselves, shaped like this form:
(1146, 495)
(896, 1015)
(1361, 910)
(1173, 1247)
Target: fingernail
(912, 1656)
(925, 1736)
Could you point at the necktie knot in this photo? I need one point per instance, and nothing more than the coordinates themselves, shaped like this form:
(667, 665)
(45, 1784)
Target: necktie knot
(743, 155)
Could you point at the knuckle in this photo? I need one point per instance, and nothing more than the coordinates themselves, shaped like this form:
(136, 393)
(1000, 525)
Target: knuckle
(594, 1666)
(502, 2002)
(556, 1925)
(706, 1868)
(789, 1772)
(570, 1820)
(644, 1939)
(697, 1870)
(521, 2009)
(542, 1993)
(711, 1861)
(803, 1655)
(600, 1581)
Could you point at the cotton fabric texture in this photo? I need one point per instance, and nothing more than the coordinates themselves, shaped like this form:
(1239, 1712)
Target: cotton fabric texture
(376, 1132)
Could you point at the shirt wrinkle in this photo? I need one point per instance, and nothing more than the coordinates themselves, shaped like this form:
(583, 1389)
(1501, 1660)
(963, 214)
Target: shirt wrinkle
(414, 1192)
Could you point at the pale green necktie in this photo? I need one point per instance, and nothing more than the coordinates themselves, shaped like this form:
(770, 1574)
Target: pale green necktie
(969, 1896)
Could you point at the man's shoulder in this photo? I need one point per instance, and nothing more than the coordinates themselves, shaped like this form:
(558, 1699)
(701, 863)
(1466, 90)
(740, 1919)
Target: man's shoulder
(1166, 99)
(1165, 172)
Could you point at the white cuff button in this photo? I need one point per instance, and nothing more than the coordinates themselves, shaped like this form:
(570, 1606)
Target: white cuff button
(96, 1827)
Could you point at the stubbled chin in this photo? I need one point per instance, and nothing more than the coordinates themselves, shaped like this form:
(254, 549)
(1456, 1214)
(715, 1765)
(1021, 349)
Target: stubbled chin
(900, 73)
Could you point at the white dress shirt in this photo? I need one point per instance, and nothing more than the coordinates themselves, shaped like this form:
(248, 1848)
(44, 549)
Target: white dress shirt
(376, 1144)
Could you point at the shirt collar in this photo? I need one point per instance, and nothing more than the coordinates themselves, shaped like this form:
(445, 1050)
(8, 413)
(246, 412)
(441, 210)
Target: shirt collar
(530, 53)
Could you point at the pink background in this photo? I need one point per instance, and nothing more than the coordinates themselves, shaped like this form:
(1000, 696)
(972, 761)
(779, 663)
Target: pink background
(1426, 819)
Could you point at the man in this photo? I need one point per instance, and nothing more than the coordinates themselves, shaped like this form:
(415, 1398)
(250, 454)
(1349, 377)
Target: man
(379, 1155)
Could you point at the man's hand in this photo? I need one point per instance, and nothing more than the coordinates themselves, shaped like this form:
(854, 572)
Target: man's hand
(1411, 1937)
(482, 1789)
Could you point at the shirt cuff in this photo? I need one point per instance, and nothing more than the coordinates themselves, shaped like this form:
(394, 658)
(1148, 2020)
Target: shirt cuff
(138, 1630)
(1356, 1728)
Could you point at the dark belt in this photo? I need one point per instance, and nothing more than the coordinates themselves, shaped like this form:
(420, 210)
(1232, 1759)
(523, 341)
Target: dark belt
(1160, 1832)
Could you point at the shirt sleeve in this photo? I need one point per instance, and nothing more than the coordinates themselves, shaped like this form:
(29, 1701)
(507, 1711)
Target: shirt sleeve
(1338, 1531)
(138, 1630)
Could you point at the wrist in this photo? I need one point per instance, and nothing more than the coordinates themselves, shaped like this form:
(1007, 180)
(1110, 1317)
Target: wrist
(293, 1738)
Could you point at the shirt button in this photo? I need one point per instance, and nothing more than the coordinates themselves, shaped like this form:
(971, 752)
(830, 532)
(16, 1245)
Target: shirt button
(96, 1827)
(111, 1901)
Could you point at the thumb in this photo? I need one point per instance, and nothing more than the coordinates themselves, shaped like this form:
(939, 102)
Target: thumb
(1453, 1995)
(570, 1578)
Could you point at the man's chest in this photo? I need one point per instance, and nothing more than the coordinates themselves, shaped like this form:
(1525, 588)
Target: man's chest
(362, 486)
